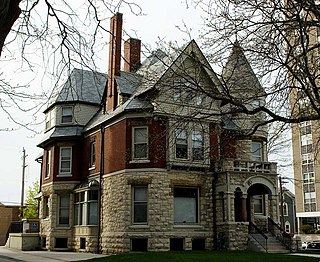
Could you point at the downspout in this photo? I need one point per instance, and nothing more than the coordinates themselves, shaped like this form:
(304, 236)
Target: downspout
(100, 185)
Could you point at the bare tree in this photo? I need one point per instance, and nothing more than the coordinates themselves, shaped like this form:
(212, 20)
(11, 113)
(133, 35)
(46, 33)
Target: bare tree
(56, 36)
(281, 41)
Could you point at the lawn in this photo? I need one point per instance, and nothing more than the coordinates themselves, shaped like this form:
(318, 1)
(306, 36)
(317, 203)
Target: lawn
(204, 256)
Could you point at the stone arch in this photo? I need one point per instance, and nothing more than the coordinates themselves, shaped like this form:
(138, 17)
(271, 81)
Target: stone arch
(265, 183)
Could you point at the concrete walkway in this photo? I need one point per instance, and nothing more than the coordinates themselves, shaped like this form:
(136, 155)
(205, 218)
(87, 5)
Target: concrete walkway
(47, 256)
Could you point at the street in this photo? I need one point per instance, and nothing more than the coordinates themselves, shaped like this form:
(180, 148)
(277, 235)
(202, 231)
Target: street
(7, 259)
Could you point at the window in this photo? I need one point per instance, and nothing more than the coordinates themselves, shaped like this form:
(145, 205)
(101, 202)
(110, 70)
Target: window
(61, 242)
(66, 114)
(309, 197)
(181, 144)
(65, 160)
(185, 205)
(86, 208)
(140, 204)
(199, 99)
(197, 145)
(306, 149)
(48, 160)
(92, 196)
(256, 151)
(176, 244)
(285, 209)
(49, 119)
(64, 207)
(92, 154)
(258, 204)
(287, 226)
(140, 143)
(139, 244)
(305, 128)
(45, 213)
(82, 243)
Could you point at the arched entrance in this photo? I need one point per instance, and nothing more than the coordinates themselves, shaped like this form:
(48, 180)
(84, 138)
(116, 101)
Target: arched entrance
(261, 204)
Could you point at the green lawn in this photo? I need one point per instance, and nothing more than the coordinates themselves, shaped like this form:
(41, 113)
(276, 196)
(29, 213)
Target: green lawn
(204, 256)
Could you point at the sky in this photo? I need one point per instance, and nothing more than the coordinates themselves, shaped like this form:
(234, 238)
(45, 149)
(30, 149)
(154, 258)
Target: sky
(159, 22)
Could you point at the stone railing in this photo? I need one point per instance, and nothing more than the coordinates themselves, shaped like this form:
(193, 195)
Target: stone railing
(246, 166)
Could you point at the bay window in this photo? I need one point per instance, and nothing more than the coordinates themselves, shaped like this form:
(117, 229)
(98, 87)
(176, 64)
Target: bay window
(64, 210)
(140, 143)
(86, 207)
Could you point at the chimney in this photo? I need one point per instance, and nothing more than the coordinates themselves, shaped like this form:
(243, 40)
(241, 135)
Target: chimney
(132, 48)
(114, 59)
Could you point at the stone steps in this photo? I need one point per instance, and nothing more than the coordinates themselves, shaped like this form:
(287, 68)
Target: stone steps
(273, 245)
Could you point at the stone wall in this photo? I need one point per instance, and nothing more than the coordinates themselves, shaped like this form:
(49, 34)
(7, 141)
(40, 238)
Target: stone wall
(49, 228)
(117, 227)
(233, 235)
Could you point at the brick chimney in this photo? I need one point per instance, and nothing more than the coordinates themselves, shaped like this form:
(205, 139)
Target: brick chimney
(114, 59)
(132, 49)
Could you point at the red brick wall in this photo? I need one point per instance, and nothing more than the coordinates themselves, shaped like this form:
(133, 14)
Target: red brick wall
(228, 145)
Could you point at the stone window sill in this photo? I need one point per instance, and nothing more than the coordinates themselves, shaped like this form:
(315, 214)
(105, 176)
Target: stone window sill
(139, 227)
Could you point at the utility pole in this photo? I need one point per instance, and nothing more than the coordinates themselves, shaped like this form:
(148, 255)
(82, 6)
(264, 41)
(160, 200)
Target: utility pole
(23, 178)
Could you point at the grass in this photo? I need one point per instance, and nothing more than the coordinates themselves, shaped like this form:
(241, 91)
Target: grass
(205, 256)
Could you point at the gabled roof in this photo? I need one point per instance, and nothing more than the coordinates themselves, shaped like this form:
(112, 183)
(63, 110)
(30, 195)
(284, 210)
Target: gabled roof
(81, 86)
(146, 78)
(238, 74)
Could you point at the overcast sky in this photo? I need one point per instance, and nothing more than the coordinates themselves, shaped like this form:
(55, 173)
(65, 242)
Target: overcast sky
(159, 22)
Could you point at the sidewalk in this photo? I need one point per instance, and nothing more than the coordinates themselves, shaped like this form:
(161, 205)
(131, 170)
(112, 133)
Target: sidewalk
(47, 256)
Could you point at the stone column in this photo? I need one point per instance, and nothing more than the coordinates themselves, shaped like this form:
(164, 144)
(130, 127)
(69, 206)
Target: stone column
(273, 207)
(230, 206)
(244, 215)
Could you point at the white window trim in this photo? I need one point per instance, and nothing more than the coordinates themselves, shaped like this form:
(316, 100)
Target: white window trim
(58, 211)
(285, 209)
(144, 159)
(287, 223)
(91, 164)
(132, 206)
(65, 174)
(48, 164)
(72, 115)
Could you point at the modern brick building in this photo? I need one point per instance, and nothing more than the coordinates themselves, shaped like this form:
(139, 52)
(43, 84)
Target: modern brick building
(8, 213)
(142, 159)
(305, 135)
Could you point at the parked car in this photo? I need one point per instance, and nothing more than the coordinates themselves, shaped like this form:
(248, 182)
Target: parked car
(304, 244)
(313, 246)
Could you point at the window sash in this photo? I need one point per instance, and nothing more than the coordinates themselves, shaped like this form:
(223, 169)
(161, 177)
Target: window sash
(92, 157)
(140, 143)
(140, 204)
(185, 205)
(64, 209)
(66, 115)
(48, 160)
(86, 207)
(258, 204)
(181, 143)
(256, 151)
(197, 145)
(65, 160)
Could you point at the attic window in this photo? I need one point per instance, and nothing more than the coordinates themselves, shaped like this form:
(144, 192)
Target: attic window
(66, 116)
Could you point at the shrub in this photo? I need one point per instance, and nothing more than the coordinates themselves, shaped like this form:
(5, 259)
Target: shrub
(307, 229)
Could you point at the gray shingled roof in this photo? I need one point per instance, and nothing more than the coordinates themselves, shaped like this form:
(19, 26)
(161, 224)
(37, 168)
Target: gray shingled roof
(81, 86)
(238, 74)
(61, 132)
(128, 82)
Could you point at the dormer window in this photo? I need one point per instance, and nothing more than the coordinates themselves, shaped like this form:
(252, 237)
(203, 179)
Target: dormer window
(66, 116)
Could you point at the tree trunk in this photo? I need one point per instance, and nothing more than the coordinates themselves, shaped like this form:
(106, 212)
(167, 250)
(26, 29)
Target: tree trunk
(9, 13)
